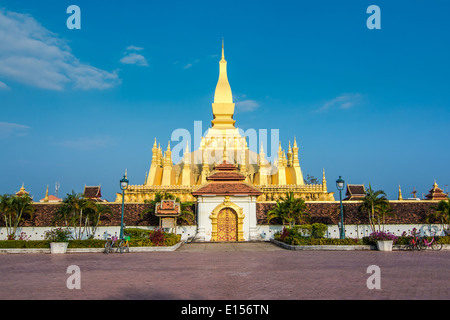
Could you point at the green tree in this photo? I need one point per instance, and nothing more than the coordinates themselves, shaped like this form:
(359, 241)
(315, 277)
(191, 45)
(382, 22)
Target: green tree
(76, 212)
(290, 210)
(15, 209)
(441, 213)
(93, 217)
(186, 215)
(376, 205)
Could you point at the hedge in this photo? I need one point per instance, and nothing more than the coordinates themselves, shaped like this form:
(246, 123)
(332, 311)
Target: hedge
(139, 238)
(405, 240)
(306, 235)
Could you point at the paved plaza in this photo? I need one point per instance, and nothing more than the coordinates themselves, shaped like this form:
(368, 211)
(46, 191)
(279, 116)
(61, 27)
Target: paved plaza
(228, 271)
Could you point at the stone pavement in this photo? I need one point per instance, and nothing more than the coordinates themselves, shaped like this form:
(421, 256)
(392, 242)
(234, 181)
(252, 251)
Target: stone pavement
(227, 271)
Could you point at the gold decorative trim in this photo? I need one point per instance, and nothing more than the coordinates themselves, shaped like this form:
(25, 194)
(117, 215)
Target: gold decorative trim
(240, 218)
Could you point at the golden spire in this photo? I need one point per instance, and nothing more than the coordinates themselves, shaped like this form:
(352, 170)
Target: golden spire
(223, 106)
(223, 89)
(400, 193)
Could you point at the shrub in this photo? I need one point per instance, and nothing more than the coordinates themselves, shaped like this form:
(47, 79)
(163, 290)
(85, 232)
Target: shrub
(157, 237)
(303, 230)
(284, 233)
(136, 233)
(318, 230)
(382, 236)
(20, 244)
(308, 241)
(58, 235)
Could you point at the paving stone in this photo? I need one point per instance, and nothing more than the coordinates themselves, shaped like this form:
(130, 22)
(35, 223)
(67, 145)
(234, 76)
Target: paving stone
(241, 271)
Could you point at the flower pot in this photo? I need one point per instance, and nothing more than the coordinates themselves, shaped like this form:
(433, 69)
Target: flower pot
(384, 245)
(58, 247)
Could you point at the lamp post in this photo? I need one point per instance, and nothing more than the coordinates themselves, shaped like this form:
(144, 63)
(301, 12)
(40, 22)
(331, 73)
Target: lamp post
(340, 186)
(123, 187)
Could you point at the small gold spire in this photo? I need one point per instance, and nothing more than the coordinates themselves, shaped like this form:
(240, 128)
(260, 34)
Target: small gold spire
(46, 195)
(400, 193)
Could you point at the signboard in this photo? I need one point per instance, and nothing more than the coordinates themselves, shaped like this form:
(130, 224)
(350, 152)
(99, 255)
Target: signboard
(167, 223)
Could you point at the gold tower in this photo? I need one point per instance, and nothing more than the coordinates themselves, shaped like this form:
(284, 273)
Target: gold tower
(223, 142)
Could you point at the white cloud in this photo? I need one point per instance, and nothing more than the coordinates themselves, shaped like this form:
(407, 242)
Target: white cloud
(187, 66)
(8, 130)
(32, 55)
(134, 48)
(3, 86)
(131, 57)
(134, 58)
(247, 105)
(344, 101)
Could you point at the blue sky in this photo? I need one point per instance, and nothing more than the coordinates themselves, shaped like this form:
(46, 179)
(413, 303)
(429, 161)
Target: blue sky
(81, 106)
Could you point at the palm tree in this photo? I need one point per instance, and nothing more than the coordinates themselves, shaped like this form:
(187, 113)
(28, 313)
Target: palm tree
(95, 215)
(76, 211)
(4, 211)
(374, 203)
(442, 212)
(290, 210)
(15, 209)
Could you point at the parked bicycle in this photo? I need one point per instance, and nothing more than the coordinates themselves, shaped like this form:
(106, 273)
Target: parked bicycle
(414, 242)
(434, 243)
(111, 244)
(124, 245)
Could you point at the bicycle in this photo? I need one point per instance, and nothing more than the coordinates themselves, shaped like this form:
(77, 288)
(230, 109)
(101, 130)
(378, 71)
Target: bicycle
(124, 245)
(111, 244)
(434, 243)
(414, 242)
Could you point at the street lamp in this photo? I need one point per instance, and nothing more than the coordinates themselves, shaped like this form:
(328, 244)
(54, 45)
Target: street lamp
(340, 186)
(123, 187)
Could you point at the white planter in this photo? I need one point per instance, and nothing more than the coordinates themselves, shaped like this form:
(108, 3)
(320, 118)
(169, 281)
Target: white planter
(58, 247)
(384, 245)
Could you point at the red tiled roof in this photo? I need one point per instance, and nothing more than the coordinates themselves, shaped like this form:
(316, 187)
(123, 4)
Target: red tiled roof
(355, 192)
(51, 198)
(92, 192)
(225, 166)
(224, 175)
(436, 194)
(227, 188)
(227, 181)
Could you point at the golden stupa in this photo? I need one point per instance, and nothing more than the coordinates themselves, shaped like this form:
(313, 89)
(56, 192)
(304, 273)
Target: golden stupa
(223, 142)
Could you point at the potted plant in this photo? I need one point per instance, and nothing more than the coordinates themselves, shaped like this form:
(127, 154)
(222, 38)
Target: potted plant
(59, 239)
(384, 240)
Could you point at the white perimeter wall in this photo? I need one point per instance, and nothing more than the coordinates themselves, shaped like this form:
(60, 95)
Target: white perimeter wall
(265, 231)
